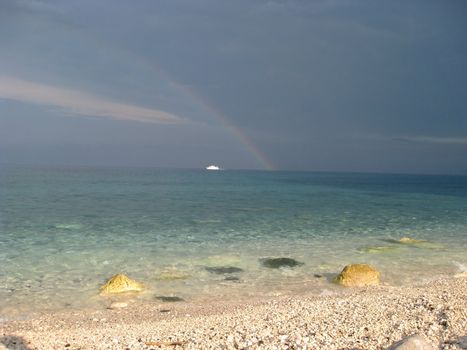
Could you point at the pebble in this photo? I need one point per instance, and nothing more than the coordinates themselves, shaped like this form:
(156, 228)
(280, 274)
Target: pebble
(413, 342)
(117, 305)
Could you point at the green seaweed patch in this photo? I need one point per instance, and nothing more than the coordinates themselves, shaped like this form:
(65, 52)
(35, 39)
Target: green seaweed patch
(430, 245)
(277, 263)
(223, 270)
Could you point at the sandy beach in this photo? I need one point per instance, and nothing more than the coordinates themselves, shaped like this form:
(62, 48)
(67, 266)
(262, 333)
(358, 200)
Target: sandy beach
(358, 318)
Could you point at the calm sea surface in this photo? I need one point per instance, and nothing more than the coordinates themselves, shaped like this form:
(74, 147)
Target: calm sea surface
(65, 230)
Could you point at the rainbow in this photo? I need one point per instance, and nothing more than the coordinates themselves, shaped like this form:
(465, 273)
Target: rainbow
(235, 131)
(238, 134)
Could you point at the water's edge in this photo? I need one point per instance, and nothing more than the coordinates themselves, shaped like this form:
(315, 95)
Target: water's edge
(65, 231)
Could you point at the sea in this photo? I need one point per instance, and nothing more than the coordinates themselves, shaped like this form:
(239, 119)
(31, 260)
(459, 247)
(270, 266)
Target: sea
(198, 235)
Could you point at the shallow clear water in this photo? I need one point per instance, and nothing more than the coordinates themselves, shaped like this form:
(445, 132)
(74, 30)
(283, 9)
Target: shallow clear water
(64, 231)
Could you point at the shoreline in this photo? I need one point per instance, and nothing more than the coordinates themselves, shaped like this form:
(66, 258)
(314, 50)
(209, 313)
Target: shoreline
(359, 318)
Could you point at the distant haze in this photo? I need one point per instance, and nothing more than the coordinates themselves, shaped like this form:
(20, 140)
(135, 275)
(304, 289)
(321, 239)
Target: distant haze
(371, 86)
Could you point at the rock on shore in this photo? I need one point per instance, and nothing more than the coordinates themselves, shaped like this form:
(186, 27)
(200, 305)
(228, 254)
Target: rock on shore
(358, 275)
(121, 284)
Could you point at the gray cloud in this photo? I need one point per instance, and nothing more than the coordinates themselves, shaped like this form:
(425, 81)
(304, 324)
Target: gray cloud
(306, 82)
(433, 139)
(80, 103)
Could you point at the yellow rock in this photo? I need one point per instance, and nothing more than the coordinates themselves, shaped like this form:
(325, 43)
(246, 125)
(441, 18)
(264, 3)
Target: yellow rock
(408, 240)
(120, 284)
(358, 275)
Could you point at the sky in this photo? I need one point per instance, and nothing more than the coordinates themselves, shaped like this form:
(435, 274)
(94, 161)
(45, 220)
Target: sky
(320, 85)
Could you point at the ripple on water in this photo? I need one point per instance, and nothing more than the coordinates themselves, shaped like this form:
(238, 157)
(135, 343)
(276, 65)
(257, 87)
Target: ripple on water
(184, 235)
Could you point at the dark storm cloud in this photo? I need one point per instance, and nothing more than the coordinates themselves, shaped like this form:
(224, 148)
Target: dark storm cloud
(319, 85)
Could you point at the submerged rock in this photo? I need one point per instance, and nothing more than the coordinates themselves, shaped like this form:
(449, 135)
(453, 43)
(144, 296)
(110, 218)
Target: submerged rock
(358, 275)
(172, 276)
(379, 249)
(169, 299)
(120, 284)
(68, 226)
(276, 263)
(413, 342)
(222, 270)
(417, 243)
(409, 240)
(232, 278)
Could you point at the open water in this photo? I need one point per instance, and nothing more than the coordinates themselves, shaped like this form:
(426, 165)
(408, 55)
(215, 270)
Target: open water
(65, 230)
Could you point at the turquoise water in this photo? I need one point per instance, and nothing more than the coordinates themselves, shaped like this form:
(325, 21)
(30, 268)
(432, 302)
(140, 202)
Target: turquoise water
(64, 231)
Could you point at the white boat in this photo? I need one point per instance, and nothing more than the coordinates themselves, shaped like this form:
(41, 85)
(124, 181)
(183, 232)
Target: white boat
(213, 167)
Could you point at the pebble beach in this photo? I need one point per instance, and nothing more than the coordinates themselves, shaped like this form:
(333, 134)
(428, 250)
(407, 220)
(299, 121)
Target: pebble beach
(373, 317)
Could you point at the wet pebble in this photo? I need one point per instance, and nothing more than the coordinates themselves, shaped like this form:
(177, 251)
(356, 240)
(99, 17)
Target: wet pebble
(169, 299)
(232, 278)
